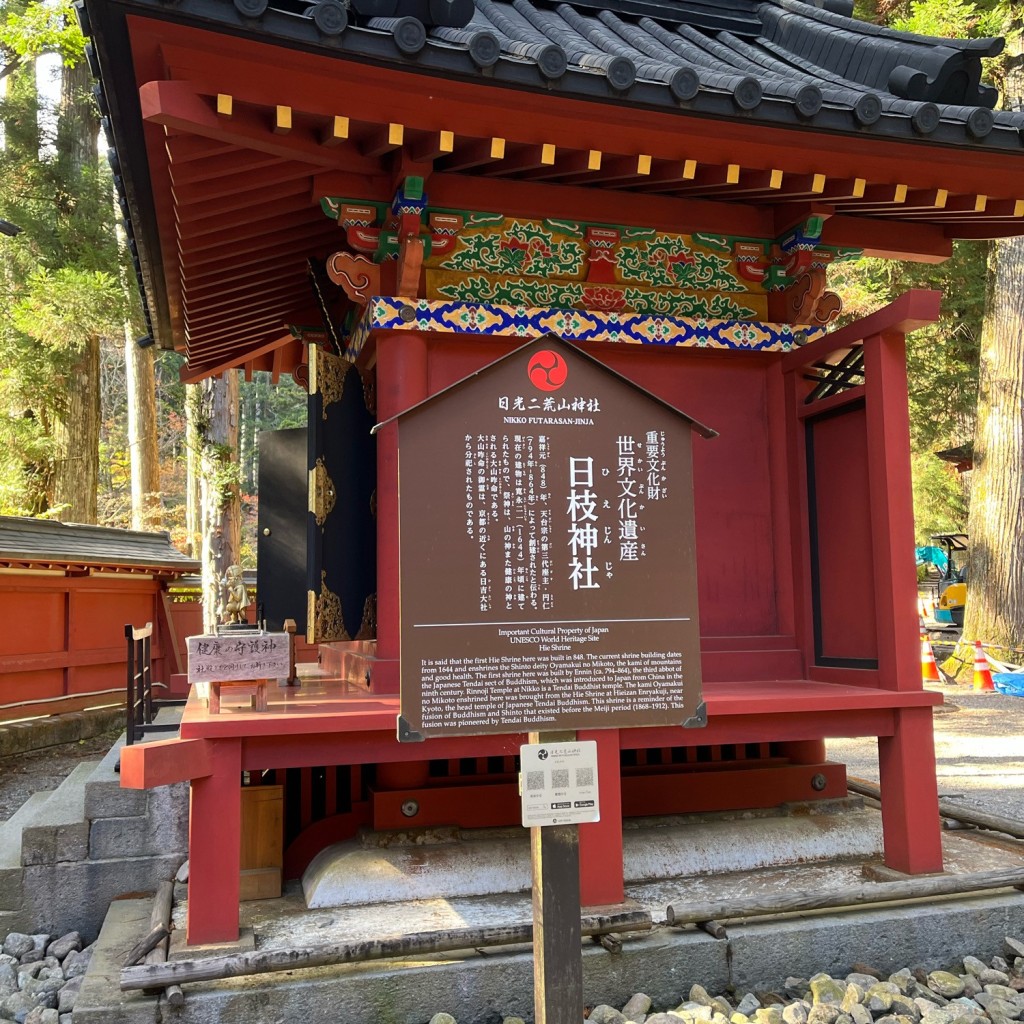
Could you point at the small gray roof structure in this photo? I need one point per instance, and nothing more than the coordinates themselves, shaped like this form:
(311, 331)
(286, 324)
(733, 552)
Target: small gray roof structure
(43, 543)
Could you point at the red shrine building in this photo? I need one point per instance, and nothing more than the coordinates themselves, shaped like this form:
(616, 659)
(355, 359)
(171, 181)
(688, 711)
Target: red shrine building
(383, 197)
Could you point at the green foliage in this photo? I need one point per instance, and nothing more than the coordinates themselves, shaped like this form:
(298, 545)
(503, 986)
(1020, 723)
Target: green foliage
(942, 366)
(940, 502)
(60, 283)
(62, 308)
(29, 30)
(953, 19)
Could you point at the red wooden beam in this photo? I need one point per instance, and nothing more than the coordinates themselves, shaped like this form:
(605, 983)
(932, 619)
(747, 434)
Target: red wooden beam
(910, 311)
(216, 285)
(190, 374)
(256, 226)
(237, 163)
(232, 185)
(164, 762)
(188, 108)
(242, 295)
(257, 211)
(565, 202)
(244, 201)
(183, 148)
(324, 85)
(266, 249)
(927, 243)
(199, 316)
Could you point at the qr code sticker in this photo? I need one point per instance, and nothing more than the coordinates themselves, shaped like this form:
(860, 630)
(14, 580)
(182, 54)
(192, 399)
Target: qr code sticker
(559, 778)
(534, 781)
(585, 776)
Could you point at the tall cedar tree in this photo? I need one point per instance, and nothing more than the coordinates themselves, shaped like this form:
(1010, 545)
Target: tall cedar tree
(995, 603)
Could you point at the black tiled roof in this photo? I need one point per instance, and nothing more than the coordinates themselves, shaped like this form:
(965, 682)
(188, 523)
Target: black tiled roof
(43, 540)
(772, 61)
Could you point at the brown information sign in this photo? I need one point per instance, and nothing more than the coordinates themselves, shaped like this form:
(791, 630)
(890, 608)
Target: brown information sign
(546, 552)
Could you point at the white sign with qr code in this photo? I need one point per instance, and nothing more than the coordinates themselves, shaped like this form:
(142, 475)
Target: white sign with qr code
(558, 783)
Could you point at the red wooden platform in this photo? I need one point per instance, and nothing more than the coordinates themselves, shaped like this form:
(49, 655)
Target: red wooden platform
(807, 605)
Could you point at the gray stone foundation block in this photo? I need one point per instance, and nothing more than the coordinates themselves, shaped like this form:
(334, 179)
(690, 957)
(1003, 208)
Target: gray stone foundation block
(59, 898)
(53, 844)
(931, 935)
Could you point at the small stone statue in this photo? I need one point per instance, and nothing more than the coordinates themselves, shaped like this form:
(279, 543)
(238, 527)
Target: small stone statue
(234, 596)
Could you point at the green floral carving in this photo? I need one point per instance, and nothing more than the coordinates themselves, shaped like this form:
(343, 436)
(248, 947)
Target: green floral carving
(522, 248)
(668, 262)
(579, 295)
(718, 307)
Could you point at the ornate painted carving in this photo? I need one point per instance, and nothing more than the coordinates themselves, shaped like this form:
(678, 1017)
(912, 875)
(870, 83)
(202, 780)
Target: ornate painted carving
(526, 291)
(327, 376)
(357, 275)
(492, 320)
(602, 257)
(322, 492)
(379, 230)
(323, 613)
(807, 301)
(368, 625)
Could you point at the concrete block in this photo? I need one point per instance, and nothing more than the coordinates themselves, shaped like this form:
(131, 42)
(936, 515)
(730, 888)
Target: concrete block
(58, 831)
(51, 844)
(100, 1000)
(104, 798)
(64, 897)
(162, 829)
(110, 838)
(932, 935)
(11, 829)
(11, 889)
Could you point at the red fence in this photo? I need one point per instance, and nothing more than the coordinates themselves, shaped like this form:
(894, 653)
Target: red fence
(62, 645)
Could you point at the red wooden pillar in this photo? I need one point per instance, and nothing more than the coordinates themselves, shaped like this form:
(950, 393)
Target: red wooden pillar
(906, 759)
(601, 841)
(910, 811)
(215, 847)
(401, 383)
(892, 511)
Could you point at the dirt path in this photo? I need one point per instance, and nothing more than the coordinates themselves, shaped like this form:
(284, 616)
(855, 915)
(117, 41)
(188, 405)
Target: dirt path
(979, 751)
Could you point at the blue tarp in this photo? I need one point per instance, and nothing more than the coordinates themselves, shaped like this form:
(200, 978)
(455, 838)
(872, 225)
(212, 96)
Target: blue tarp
(1009, 682)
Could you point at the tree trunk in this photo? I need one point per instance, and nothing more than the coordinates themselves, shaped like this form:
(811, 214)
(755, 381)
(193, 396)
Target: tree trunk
(221, 507)
(77, 428)
(77, 438)
(193, 443)
(140, 375)
(995, 603)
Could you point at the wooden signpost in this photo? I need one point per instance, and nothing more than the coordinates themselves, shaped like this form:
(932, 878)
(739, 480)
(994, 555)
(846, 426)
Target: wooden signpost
(240, 658)
(548, 584)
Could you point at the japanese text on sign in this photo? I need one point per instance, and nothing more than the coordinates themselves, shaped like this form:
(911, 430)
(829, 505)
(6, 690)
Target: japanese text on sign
(213, 659)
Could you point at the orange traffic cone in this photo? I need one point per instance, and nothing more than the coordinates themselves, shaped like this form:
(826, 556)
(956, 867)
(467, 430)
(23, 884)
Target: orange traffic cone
(982, 673)
(929, 670)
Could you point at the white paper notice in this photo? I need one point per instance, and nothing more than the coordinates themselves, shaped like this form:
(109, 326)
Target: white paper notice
(558, 783)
